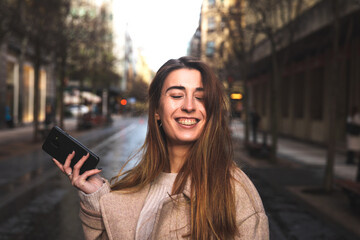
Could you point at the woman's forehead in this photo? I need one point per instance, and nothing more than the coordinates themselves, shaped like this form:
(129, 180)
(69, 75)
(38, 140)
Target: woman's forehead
(186, 78)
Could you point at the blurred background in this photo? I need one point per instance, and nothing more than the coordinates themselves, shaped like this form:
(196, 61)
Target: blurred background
(291, 70)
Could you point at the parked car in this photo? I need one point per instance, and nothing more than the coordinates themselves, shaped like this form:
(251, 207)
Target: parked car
(76, 110)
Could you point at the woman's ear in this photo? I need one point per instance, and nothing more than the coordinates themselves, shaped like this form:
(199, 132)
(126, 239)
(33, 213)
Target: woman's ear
(157, 116)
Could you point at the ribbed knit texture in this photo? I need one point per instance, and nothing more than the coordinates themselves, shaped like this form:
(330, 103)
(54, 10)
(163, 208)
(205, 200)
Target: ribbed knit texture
(159, 190)
(91, 201)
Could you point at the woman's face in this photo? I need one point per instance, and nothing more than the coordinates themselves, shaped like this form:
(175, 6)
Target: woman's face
(181, 109)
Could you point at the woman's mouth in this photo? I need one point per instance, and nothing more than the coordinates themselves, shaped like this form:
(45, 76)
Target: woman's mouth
(187, 121)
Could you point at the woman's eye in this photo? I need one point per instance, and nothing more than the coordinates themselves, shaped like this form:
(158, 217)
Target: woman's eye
(176, 96)
(199, 98)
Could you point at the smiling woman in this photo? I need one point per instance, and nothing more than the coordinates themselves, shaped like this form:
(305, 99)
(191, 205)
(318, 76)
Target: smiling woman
(181, 110)
(186, 185)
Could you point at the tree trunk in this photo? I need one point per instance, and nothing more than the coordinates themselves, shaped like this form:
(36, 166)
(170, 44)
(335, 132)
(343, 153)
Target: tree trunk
(331, 149)
(37, 64)
(246, 102)
(24, 45)
(2, 84)
(274, 99)
(62, 88)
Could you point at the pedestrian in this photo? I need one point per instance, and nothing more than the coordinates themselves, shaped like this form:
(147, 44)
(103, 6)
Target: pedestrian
(255, 119)
(48, 117)
(186, 184)
(353, 135)
(8, 118)
(353, 139)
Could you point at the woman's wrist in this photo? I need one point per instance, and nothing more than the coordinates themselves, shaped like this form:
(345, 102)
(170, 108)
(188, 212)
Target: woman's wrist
(91, 201)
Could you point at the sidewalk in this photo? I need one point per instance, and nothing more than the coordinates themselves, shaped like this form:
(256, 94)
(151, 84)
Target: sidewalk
(19, 140)
(302, 153)
(300, 173)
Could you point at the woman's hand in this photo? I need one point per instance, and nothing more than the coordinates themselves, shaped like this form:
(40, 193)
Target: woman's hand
(88, 182)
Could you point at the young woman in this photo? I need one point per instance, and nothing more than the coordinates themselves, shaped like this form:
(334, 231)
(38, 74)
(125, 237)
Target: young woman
(186, 185)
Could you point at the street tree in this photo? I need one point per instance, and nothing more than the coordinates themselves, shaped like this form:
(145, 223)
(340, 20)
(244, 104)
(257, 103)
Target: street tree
(240, 39)
(90, 58)
(337, 105)
(38, 23)
(273, 20)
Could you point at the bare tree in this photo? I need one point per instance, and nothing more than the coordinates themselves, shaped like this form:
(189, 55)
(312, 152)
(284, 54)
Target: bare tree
(274, 19)
(334, 84)
(241, 40)
(38, 23)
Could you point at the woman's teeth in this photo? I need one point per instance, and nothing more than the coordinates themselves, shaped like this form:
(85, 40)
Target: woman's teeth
(187, 122)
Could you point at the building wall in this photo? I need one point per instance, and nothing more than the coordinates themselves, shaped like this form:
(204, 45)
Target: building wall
(18, 80)
(214, 35)
(305, 95)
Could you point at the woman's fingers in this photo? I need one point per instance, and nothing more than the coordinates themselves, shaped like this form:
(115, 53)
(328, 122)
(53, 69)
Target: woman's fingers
(68, 160)
(88, 182)
(79, 164)
(58, 164)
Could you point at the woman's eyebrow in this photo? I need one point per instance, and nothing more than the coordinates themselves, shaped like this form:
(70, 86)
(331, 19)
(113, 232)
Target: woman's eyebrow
(199, 89)
(175, 87)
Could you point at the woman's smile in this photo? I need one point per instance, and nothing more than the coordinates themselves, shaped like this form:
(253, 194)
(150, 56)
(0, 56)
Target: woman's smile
(187, 121)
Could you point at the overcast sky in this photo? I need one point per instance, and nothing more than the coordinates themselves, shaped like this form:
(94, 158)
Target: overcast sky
(161, 28)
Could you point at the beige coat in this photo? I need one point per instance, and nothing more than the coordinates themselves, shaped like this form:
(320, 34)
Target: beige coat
(120, 213)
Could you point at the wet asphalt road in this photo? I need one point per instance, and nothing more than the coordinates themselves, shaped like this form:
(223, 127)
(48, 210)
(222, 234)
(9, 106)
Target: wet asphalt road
(41, 204)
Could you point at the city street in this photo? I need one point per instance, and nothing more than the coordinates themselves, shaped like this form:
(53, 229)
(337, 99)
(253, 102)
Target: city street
(37, 201)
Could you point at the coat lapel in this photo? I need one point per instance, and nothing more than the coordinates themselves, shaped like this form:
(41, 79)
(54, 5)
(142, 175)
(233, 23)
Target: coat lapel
(121, 212)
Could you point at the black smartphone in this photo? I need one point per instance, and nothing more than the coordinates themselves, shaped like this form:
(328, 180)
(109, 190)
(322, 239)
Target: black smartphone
(59, 144)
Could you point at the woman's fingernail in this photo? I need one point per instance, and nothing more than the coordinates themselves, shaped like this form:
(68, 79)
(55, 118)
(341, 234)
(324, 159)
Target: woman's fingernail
(100, 168)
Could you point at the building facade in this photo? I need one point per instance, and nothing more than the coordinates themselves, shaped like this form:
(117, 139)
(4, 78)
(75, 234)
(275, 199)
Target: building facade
(306, 69)
(17, 80)
(213, 42)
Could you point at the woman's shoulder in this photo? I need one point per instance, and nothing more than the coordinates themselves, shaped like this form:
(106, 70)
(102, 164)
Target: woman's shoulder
(126, 193)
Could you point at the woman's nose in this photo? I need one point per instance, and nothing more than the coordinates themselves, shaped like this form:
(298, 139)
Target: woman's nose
(188, 104)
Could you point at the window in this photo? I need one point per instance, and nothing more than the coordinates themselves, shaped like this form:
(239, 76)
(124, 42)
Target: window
(221, 49)
(211, 24)
(317, 93)
(223, 23)
(285, 96)
(256, 95)
(299, 91)
(210, 48)
(264, 100)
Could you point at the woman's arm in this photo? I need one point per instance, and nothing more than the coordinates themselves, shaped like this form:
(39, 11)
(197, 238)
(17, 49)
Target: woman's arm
(90, 213)
(88, 182)
(255, 227)
(250, 214)
(91, 188)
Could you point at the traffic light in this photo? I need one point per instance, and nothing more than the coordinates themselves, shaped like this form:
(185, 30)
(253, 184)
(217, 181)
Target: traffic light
(123, 102)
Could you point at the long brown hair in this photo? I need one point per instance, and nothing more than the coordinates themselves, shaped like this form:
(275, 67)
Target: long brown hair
(209, 162)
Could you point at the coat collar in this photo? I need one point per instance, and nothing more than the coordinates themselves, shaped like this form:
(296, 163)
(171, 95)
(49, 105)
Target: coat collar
(120, 205)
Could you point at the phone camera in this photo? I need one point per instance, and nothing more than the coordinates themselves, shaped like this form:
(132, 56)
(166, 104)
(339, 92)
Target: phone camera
(55, 142)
